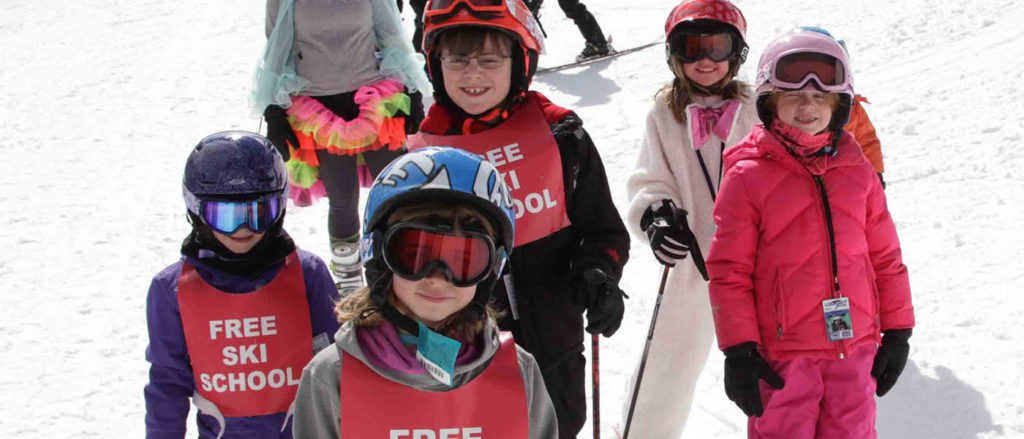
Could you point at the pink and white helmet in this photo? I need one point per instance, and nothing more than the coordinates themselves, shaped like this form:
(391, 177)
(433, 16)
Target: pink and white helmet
(805, 58)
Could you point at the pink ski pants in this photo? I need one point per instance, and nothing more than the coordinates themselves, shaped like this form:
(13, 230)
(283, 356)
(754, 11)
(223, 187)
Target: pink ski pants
(822, 399)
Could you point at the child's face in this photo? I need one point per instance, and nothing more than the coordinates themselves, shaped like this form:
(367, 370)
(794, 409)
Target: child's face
(432, 298)
(474, 89)
(705, 71)
(239, 242)
(808, 110)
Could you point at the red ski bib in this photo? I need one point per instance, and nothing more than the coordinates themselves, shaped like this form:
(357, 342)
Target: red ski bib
(492, 406)
(525, 152)
(247, 350)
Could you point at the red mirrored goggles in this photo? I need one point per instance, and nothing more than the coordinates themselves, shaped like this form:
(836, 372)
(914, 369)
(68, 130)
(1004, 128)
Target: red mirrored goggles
(440, 5)
(694, 47)
(413, 251)
(795, 70)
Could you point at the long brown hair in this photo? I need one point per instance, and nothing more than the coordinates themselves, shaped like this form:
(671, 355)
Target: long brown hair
(680, 92)
(358, 306)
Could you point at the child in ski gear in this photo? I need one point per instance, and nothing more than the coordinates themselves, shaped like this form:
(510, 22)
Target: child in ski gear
(419, 348)
(566, 222)
(692, 121)
(859, 125)
(234, 321)
(864, 132)
(803, 237)
(339, 87)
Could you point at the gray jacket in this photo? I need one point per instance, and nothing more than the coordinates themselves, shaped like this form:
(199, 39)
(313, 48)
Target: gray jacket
(318, 406)
(335, 43)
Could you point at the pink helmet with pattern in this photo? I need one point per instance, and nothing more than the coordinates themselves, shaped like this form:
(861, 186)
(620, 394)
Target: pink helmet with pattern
(805, 58)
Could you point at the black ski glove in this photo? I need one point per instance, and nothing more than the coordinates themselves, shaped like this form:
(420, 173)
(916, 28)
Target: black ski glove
(670, 238)
(890, 359)
(413, 120)
(604, 302)
(279, 131)
(743, 368)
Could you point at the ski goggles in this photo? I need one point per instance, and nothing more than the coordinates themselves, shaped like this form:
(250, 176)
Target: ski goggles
(228, 216)
(448, 5)
(695, 47)
(414, 250)
(795, 70)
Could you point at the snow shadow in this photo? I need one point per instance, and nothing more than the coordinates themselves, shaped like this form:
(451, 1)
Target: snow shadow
(925, 407)
(586, 83)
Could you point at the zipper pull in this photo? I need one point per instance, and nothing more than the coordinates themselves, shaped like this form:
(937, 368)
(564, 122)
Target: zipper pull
(780, 331)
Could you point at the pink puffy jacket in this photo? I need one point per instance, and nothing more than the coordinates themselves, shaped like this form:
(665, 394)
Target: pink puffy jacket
(771, 262)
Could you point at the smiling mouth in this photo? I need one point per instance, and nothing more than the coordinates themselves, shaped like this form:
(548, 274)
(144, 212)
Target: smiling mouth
(475, 91)
(706, 69)
(242, 239)
(806, 119)
(434, 299)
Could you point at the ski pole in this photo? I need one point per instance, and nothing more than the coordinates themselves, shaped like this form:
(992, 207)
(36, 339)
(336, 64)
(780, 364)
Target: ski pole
(695, 253)
(647, 348)
(594, 365)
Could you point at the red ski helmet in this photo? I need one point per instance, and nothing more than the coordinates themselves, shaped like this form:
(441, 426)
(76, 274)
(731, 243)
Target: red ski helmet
(511, 17)
(708, 16)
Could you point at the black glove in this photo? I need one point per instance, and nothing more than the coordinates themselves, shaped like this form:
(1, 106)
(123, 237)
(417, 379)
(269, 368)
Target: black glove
(534, 7)
(890, 359)
(666, 228)
(413, 120)
(743, 367)
(604, 302)
(279, 131)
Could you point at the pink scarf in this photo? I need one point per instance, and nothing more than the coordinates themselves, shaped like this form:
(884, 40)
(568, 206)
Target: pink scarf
(807, 148)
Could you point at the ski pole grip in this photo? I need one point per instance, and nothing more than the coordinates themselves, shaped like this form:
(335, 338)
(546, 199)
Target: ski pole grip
(697, 256)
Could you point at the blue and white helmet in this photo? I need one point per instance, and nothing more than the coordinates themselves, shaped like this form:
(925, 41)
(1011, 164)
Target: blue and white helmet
(438, 173)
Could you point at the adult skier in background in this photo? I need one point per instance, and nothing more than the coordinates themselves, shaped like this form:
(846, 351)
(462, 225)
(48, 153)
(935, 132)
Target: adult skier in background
(571, 244)
(232, 324)
(339, 87)
(596, 42)
(701, 113)
(804, 238)
(419, 348)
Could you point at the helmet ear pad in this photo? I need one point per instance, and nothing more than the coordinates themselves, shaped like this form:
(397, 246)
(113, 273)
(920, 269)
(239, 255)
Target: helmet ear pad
(841, 115)
(764, 111)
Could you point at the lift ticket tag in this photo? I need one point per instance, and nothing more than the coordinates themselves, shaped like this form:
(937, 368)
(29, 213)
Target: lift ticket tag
(837, 319)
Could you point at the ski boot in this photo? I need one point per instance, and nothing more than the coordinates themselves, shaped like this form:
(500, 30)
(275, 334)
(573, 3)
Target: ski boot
(593, 51)
(346, 268)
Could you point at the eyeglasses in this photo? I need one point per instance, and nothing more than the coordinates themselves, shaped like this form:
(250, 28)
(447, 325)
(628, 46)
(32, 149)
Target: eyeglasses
(486, 62)
(228, 216)
(795, 70)
(694, 47)
(414, 250)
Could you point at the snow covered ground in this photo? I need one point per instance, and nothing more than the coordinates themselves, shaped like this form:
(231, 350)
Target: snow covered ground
(102, 100)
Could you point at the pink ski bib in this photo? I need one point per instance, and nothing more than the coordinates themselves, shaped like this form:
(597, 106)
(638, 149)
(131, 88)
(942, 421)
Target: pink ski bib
(247, 350)
(492, 406)
(525, 152)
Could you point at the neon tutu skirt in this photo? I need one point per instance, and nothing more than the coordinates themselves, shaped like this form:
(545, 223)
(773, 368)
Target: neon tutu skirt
(317, 128)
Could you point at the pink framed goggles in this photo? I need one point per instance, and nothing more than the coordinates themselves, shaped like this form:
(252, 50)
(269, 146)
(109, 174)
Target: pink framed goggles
(794, 71)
